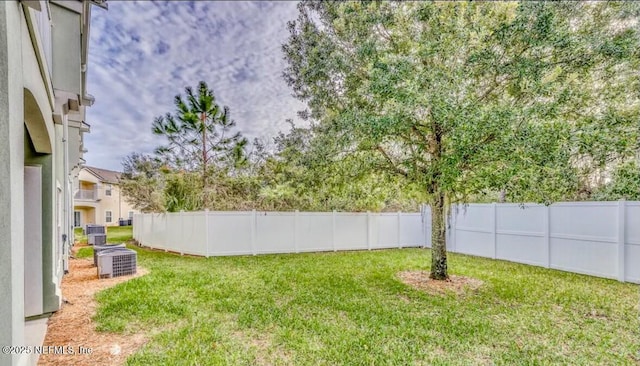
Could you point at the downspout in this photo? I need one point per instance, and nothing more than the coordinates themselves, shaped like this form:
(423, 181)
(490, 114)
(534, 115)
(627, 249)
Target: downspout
(65, 194)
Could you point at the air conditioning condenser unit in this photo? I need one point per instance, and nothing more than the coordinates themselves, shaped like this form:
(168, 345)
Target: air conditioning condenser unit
(116, 262)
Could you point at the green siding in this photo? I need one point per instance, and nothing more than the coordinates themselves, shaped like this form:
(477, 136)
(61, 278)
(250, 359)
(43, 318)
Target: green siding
(51, 301)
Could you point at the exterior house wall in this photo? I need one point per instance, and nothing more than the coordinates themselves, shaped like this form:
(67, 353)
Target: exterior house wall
(115, 203)
(11, 181)
(87, 186)
(108, 203)
(34, 149)
(86, 198)
(87, 215)
(94, 210)
(87, 178)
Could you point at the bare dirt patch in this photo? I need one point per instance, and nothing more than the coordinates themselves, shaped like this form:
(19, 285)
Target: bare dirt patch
(594, 314)
(72, 326)
(457, 284)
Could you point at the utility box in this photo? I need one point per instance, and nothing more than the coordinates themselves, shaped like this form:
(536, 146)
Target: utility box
(97, 239)
(98, 248)
(117, 262)
(94, 229)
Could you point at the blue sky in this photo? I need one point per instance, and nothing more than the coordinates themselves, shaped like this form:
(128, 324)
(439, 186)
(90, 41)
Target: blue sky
(144, 53)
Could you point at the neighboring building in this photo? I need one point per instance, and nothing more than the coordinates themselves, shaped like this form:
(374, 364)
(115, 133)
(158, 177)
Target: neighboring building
(98, 199)
(43, 65)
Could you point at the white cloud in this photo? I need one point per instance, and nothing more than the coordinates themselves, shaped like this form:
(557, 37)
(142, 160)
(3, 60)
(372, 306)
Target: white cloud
(144, 53)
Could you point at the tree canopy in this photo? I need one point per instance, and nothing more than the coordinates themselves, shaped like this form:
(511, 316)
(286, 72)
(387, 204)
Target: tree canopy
(412, 102)
(461, 98)
(200, 134)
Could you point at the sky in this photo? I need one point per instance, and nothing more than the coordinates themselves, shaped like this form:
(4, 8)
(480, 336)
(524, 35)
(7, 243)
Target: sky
(143, 53)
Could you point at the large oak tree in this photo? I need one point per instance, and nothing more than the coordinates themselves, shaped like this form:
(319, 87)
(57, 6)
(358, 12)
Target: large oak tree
(463, 97)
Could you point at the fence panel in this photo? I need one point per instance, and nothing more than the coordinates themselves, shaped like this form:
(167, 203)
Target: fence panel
(425, 212)
(148, 229)
(314, 231)
(596, 238)
(230, 233)
(160, 232)
(386, 229)
(275, 232)
(411, 230)
(632, 242)
(193, 233)
(473, 233)
(351, 231)
(583, 238)
(520, 234)
(175, 231)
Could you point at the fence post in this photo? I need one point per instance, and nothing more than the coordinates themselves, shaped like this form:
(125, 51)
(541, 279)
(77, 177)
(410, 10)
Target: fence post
(368, 230)
(142, 221)
(333, 230)
(139, 228)
(181, 231)
(547, 234)
(253, 231)
(206, 232)
(398, 221)
(494, 229)
(621, 239)
(295, 231)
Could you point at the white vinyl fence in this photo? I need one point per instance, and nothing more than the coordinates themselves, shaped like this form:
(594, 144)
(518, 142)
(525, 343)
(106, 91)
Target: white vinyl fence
(214, 233)
(596, 238)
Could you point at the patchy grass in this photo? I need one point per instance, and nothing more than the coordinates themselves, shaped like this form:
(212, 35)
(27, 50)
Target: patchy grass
(351, 308)
(79, 236)
(84, 252)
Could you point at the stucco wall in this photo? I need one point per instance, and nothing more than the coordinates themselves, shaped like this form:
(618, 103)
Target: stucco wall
(28, 136)
(11, 180)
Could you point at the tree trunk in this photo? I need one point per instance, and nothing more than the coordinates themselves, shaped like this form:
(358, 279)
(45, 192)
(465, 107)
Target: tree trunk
(438, 238)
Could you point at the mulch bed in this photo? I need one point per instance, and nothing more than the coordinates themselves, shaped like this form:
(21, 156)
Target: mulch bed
(457, 284)
(72, 326)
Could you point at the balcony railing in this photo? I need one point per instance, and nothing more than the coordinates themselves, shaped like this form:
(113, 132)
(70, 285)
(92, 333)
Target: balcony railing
(86, 194)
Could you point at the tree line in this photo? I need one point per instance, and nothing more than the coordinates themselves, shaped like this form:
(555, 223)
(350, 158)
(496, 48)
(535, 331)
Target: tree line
(421, 102)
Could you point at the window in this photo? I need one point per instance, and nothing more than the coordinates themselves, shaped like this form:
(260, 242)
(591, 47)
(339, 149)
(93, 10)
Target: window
(107, 216)
(107, 191)
(76, 219)
(131, 214)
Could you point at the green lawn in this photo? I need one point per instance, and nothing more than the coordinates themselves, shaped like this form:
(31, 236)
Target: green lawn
(349, 308)
(77, 233)
(119, 234)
